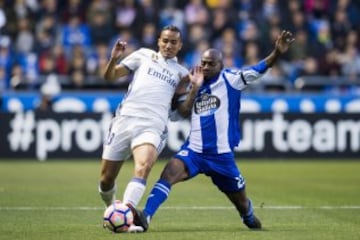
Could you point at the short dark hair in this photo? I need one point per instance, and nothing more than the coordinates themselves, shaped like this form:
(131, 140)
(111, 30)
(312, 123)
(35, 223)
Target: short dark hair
(172, 28)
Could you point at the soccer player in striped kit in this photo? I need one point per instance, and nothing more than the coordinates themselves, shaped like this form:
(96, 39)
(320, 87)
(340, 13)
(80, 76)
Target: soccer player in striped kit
(214, 133)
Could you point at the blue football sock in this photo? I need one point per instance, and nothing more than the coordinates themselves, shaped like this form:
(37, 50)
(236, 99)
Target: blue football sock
(158, 195)
(250, 210)
(250, 213)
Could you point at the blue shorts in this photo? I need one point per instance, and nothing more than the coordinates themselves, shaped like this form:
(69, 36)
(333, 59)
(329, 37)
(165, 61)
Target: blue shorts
(221, 168)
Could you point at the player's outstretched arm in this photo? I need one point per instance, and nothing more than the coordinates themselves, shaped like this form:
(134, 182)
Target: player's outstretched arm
(113, 70)
(282, 44)
(254, 73)
(196, 80)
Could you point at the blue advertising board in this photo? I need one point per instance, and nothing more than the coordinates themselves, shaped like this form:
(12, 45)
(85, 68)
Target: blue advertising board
(105, 101)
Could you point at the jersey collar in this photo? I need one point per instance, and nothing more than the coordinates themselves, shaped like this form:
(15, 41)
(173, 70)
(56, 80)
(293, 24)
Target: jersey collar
(174, 59)
(212, 80)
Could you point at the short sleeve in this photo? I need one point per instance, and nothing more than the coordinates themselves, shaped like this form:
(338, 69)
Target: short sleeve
(132, 61)
(183, 72)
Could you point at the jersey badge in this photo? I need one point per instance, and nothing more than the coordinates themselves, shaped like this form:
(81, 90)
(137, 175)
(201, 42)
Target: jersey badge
(183, 153)
(154, 57)
(206, 104)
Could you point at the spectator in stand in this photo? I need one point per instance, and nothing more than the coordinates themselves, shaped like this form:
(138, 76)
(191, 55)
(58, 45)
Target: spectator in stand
(77, 78)
(251, 54)
(3, 86)
(71, 8)
(196, 13)
(47, 25)
(317, 8)
(44, 42)
(14, 12)
(231, 58)
(101, 30)
(329, 65)
(147, 13)
(352, 9)
(6, 58)
(148, 35)
(193, 57)
(48, 93)
(125, 14)
(220, 22)
(24, 39)
(340, 28)
(49, 7)
(249, 31)
(350, 62)
(77, 67)
(170, 15)
(3, 19)
(327, 24)
(75, 33)
(228, 39)
(53, 61)
(17, 80)
(96, 63)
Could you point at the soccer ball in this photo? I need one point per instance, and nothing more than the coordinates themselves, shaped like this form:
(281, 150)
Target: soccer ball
(118, 217)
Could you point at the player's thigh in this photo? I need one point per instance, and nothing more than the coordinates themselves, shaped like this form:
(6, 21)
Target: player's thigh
(117, 142)
(146, 131)
(149, 139)
(191, 161)
(228, 183)
(227, 177)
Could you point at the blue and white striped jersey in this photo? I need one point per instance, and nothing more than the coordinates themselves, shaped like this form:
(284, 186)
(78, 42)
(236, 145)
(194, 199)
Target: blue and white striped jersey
(215, 116)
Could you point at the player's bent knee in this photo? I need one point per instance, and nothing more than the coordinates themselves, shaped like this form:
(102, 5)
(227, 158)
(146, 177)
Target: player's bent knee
(142, 171)
(174, 172)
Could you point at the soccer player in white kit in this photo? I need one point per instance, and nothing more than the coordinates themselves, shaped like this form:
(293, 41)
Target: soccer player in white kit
(214, 133)
(139, 125)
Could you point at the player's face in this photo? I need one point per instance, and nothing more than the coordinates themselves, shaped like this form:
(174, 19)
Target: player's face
(169, 43)
(211, 66)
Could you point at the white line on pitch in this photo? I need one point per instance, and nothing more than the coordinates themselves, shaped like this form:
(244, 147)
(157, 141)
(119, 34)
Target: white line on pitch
(28, 208)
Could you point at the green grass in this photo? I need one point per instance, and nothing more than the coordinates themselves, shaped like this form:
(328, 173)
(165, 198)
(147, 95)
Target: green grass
(294, 200)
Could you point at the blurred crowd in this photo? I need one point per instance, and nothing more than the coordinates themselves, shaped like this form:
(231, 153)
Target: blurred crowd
(72, 38)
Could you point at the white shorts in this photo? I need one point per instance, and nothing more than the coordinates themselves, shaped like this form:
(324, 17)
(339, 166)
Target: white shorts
(126, 132)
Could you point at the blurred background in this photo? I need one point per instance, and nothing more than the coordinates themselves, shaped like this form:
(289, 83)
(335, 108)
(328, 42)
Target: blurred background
(53, 54)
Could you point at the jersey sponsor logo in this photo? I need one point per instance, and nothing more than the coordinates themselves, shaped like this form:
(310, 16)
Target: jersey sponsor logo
(206, 104)
(165, 75)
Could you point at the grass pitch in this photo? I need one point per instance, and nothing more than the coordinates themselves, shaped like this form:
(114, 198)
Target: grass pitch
(294, 199)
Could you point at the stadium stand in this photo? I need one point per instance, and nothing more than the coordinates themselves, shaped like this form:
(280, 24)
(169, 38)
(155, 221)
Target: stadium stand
(72, 39)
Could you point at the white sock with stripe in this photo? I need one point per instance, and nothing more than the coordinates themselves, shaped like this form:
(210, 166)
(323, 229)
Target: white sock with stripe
(134, 191)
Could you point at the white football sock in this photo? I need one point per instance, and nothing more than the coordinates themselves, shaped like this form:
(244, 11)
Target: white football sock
(134, 191)
(109, 196)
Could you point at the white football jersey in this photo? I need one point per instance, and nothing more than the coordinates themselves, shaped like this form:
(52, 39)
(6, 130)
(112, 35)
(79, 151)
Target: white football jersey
(153, 85)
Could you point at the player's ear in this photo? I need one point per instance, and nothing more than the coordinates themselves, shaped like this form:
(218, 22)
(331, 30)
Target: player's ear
(158, 42)
(221, 64)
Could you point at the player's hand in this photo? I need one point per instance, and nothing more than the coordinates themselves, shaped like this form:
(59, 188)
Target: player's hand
(118, 49)
(197, 76)
(284, 41)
